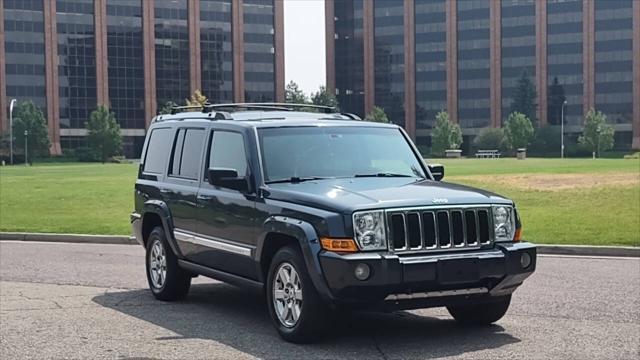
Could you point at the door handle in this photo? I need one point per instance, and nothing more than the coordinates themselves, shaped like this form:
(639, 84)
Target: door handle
(165, 191)
(204, 197)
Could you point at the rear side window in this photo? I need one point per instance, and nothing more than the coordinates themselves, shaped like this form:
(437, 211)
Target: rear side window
(157, 151)
(227, 151)
(187, 152)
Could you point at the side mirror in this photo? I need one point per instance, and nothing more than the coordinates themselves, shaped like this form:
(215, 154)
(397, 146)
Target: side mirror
(227, 178)
(437, 171)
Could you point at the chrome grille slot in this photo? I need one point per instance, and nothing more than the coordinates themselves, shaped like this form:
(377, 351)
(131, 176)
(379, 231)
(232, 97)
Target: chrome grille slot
(439, 229)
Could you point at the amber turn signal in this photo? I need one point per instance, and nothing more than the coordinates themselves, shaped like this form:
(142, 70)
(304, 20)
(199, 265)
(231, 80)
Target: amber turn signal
(518, 235)
(339, 245)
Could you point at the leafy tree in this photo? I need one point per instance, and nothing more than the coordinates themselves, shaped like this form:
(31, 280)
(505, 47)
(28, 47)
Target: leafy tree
(377, 114)
(29, 117)
(524, 99)
(446, 135)
(104, 137)
(554, 102)
(197, 99)
(166, 108)
(324, 97)
(597, 135)
(294, 95)
(518, 130)
(490, 139)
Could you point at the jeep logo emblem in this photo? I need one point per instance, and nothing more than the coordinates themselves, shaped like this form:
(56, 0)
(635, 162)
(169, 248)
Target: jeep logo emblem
(440, 201)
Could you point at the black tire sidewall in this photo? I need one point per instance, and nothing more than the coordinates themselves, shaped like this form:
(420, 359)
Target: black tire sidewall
(157, 235)
(177, 281)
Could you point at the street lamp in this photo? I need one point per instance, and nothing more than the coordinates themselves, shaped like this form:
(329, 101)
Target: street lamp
(26, 146)
(562, 129)
(13, 101)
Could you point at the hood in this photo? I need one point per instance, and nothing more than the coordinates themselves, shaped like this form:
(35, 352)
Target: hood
(351, 194)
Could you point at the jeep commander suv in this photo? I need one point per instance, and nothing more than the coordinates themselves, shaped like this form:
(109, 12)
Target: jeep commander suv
(321, 211)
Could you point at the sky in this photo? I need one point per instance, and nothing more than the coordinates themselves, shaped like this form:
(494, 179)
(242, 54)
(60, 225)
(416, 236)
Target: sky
(304, 44)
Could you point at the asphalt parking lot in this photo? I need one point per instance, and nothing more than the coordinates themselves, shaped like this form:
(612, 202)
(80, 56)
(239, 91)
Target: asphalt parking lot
(61, 300)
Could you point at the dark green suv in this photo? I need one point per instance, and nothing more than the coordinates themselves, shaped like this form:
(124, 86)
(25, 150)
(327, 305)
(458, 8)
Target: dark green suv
(322, 212)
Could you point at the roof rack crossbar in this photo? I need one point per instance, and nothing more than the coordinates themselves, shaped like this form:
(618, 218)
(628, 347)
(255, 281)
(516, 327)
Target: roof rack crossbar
(274, 106)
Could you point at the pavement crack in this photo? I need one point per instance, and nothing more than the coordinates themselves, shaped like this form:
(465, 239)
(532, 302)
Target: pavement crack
(377, 346)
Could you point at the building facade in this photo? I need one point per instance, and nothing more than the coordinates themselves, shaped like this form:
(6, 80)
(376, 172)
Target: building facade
(69, 56)
(415, 58)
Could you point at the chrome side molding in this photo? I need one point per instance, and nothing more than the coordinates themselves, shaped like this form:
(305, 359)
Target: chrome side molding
(213, 243)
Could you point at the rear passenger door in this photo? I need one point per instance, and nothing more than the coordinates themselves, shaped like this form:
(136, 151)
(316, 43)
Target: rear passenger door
(226, 216)
(181, 184)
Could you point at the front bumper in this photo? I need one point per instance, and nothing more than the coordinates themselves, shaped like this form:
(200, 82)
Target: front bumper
(428, 280)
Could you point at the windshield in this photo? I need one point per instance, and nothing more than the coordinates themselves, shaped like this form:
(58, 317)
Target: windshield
(299, 153)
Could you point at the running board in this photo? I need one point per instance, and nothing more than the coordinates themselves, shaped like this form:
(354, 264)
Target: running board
(221, 275)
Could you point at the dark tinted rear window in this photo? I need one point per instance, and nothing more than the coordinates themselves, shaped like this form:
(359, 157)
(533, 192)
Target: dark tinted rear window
(187, 153)
(157, 151)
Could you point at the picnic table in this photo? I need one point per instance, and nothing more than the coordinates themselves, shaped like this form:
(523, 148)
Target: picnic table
(485, 154)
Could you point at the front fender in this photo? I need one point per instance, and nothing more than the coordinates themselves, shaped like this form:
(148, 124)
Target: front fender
(161, 209)
(309, 243)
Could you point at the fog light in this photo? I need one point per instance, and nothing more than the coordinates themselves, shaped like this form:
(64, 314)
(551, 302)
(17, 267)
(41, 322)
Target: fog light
(525, 260)
(362, 272)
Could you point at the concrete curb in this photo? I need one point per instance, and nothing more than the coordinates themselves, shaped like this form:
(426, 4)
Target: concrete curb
(71, 238)
(580, 250)
(588, 250)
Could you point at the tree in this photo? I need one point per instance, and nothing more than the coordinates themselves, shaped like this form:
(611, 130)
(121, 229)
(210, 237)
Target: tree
(166, 108)
(197, 99)
(294, 95)
(524, 98)
(446, 135)
(104, 137)
(597, 135)
(324, 97)
(490, 139)
(377, 114)
(29, 117)
(554, 102)
(518, 130)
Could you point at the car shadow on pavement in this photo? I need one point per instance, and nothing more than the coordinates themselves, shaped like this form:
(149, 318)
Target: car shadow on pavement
(239, 319)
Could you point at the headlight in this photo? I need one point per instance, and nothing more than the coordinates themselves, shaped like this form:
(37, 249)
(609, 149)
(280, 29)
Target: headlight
(369, 231)
(504, 223)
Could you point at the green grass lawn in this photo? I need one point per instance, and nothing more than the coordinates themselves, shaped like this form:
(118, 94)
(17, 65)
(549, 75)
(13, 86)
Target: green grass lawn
(97, 198)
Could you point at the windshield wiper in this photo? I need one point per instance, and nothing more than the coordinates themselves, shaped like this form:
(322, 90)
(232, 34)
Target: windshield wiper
(296, 179)
(382, 174)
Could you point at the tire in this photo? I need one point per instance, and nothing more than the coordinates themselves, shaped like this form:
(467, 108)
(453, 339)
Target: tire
(313, 319)
(175, 283)
(481, 313)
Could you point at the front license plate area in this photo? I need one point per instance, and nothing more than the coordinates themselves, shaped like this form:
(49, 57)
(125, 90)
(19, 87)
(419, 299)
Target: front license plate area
(458, 271)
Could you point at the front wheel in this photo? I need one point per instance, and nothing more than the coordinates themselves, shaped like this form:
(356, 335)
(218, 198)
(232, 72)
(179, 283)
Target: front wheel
(481, 313)
(295, 306)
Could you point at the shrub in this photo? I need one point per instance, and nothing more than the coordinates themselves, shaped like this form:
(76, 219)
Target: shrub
(546, 142)
(377, 115)
(104, 137)
(490, 139)
(446, 135)
(518, 130)
(597, 135)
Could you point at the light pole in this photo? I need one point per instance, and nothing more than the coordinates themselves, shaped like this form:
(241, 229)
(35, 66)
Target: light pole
(562, 129)
(13, 101)
(26, 146)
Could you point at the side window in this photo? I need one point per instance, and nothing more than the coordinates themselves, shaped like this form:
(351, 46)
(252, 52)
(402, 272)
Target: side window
(187, 149)
(157, 151)
(227, 151)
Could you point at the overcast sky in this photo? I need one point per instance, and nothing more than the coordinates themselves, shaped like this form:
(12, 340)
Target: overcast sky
(304, 45)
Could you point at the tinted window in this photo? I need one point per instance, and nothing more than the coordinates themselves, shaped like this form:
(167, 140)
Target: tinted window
(227, 151)
(157, 150)
(187, 150)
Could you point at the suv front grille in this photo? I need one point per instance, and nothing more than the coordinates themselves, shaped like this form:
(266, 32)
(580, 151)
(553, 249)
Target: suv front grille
(435, 228)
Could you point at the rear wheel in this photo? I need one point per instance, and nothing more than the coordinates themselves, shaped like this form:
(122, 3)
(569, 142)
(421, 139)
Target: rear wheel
(167, 280)
(481, 313)
(295, 306)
